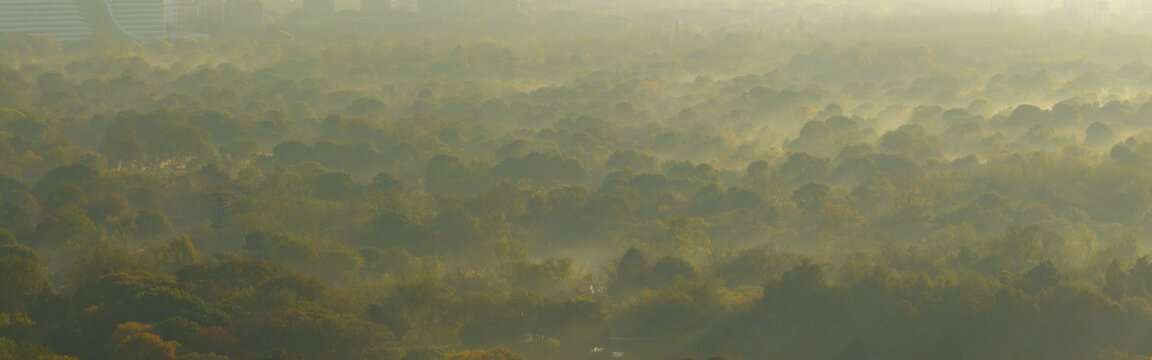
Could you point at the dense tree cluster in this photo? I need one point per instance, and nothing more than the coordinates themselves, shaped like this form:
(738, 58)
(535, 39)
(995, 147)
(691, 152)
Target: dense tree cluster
(726, 193)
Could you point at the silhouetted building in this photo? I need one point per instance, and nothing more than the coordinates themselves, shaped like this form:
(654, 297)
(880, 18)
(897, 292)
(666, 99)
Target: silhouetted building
(194, 15)
(1139, 8)
(375, 7)
(1099, 11)
(183, 15)
(464, 7)
(245, 14)
(320, 8)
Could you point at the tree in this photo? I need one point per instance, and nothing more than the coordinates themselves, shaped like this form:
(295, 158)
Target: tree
(143, 346)
(15, 220)
(802, 168)
(550, 275)
(280, 355)
(215, 340)
(842, 126)
(702, 173)
(278, 247)
(14, 90)
(1098, 134)
(1027, 116)
(811, 197)
(100, 258)
(1124, 155)
(333, 186)
(221, 126)
(757, 170)
(22, 278)
(388, 182)
(110, 209)
(291, 152)
(178, 329)
(449, 175)
(546, 169)
(815, 138)
(176, 253)
(1042, 276)
(499, 353)
(122, 147)
(225, 279)
(418, 311)
(799, 291)
(84, 176)
(150, 224)
(61, 194)
(670, 269)
(366, 106)
(67, 229)
(199, 356)
(912, 141)
(631, 160)
(10, 349)
(631, 270)
(133, 341)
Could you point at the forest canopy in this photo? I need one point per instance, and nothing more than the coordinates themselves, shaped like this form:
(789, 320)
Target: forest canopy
(682, 181)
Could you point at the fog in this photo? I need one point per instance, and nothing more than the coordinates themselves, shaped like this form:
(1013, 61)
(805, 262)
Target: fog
(571, 179)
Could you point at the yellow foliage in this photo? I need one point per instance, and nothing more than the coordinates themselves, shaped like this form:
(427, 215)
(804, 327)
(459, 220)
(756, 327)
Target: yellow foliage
(144, 346)
(125, 330)
(499, 353)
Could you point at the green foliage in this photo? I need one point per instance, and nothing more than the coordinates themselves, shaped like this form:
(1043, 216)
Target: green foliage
(11, 350)
(16, 89)
(499, 353)
(132, 341)
(665, 182)
(151, 224)
(22, 276)
(67, 229)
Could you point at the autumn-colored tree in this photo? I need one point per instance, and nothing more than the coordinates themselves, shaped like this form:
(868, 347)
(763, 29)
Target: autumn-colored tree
(132, 341)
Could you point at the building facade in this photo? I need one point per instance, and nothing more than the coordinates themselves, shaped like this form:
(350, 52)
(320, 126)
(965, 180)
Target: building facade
(1139, 8)
(60, 19)
(375, 7)
(193, 15)
(78, 19)
(320, 8)
(244, 15)
(139, 18)
(1099, 11)
(464, 7)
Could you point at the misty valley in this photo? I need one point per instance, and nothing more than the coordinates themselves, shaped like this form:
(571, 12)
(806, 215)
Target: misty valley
(575, 179)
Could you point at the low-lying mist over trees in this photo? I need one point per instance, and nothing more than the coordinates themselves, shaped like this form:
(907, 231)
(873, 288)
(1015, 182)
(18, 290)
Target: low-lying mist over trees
(584, 180)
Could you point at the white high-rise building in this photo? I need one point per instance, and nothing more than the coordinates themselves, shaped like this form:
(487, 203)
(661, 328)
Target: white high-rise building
(77, 19)
(1140, 8)
(139, 18)
(1099, 11)
(193, 15)
(244, 15)
(320, 8)
(375, 7)
(61, 19)
(464, 7)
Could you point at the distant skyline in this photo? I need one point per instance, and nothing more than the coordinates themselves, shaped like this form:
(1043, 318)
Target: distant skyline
(892, 5)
